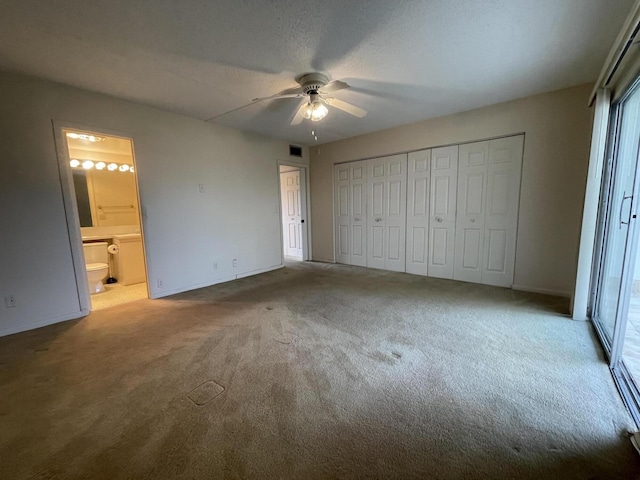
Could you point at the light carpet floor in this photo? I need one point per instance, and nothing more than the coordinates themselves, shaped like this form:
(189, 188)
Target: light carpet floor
(315, 371)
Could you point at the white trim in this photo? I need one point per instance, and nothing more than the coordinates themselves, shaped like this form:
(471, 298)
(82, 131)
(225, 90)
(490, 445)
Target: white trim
(580, 297)
(543, 291)
(71, 208)
(167, 293)
(259, 271)
(324, 260)
(71, 214)
(618, 50)
(307, 251)
(43, 323)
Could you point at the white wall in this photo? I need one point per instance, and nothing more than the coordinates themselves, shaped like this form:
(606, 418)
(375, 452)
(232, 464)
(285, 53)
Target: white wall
(557, 129)
(185, 231)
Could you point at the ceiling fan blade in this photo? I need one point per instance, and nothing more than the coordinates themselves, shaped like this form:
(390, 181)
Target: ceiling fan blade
(346, 107)
(279, 95)
(299, 116)
(334, 86)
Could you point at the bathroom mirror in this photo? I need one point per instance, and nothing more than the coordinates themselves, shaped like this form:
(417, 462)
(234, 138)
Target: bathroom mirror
(82, 198)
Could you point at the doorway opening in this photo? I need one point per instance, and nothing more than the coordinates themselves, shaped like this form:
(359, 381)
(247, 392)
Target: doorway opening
(102, 180)
(293, 210)
(616, 297)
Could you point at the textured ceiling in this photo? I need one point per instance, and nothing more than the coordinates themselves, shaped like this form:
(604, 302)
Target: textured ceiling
(405, 60)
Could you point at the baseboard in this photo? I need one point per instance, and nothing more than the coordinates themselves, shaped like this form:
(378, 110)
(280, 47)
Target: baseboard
(42, 323)
(262, 270)
(544, 291)
(175, 291)
(323, 260)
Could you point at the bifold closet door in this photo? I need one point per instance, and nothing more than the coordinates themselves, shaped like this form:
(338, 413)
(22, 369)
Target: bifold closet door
(350, 213)
(342, 209)
(386, 212)
(418, 180)
(442, 209)
(488, 202)
(358, 212)
(501, 219)
(472, 184)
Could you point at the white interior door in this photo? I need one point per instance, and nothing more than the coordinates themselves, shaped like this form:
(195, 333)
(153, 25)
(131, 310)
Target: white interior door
(418, 180)
(501, 218)
(358, 212)
(442, 205)
(291, 214)
(342, 211)
(470, 230)
(386, 212)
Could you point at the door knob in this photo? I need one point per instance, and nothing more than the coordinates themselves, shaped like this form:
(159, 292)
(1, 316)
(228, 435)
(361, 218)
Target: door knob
(439, 219)
(357, 219)
(473, 220)
(378, 219)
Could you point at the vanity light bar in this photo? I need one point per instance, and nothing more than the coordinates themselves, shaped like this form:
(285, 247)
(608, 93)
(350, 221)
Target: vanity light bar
(84, 136)
(89, 164)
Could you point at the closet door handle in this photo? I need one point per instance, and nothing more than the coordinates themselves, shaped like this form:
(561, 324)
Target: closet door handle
(439, 219)
(378, 219)
(357, 219)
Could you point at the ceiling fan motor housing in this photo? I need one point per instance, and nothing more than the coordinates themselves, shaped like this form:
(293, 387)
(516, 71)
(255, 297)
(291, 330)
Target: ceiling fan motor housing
(312, 82)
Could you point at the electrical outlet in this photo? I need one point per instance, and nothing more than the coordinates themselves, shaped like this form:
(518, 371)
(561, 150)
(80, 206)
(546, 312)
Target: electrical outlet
(10, 301)
(234, 263)
(160, 283)
(215, 265)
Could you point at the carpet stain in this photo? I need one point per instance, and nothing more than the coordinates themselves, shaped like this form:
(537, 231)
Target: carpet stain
(286, 338)
(206, 392)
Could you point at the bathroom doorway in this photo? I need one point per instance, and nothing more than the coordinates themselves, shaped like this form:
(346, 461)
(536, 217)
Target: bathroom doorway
(293, 211)
(101, 180)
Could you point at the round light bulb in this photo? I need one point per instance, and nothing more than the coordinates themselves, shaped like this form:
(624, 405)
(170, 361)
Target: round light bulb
(131, 169)
(72, 135)
(74, 163)
(306, 113)
(112, 167)
(87, 164)
(100, 165)
(123, 168)
(319, 112)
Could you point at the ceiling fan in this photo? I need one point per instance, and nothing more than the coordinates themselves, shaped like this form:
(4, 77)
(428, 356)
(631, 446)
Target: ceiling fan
(316, 89)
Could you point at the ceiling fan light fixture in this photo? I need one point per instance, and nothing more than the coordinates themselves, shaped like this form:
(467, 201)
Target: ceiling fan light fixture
(315, 111)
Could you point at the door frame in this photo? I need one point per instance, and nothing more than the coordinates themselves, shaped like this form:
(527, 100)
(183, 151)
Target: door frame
(71, 207)
(306, 211)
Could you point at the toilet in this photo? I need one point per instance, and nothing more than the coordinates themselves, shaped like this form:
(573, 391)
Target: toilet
(96, 258)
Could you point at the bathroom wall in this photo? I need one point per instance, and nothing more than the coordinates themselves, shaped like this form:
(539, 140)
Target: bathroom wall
(186, 231)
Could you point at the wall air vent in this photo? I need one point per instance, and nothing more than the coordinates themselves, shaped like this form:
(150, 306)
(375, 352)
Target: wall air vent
(295, 151)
